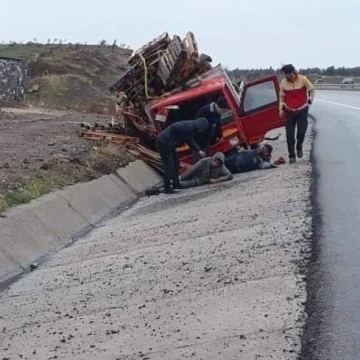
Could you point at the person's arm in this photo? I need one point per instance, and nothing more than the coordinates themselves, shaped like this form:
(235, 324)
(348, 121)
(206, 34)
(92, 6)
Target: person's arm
(310, 89)
(193, 170)
(282, 98)
(190, 141)
(225, 175)
(266, 165)
(217, 133)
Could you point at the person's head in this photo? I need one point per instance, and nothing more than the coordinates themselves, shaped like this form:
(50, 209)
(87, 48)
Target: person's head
(265, 151)
(201, 125)
(289, 71)
(217, 160)
(221, 105)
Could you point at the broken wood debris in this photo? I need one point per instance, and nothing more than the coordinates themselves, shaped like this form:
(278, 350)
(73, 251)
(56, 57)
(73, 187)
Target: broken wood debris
(161, 67)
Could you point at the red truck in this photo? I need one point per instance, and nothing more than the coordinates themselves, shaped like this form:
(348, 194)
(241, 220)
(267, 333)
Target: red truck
(253, 110)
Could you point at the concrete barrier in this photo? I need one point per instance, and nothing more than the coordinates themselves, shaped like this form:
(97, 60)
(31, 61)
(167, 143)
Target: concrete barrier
(338, 87)
(139, 176)
(8, 266)
(32, 231)
(58, 217)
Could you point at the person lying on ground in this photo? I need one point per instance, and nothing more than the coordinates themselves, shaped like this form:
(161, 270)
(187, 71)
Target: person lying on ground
(209, 170)
(177, 134)
(248, 160)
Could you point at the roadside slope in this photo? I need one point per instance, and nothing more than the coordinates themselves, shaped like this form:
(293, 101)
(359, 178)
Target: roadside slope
(210, 273)
(70, 76)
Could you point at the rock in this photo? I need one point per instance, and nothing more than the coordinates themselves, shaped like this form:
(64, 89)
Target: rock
(75, 160)
(26, 161)
(46, 166)
(33, 266)
(34, 88)
(6, 165)
(51, 143)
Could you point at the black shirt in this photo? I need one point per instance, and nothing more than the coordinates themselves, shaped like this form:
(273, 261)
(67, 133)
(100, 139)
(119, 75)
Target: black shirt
(214, 132)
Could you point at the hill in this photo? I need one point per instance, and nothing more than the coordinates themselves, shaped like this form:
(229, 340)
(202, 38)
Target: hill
(70, 76)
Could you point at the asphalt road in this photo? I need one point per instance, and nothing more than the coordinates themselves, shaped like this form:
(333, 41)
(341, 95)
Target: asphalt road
(334, 290)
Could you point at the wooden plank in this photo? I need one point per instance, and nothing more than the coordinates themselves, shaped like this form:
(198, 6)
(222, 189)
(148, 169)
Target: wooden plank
(191, 45)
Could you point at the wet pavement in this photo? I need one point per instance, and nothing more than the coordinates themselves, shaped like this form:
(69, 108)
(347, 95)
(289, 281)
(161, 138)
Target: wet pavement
(334, 290)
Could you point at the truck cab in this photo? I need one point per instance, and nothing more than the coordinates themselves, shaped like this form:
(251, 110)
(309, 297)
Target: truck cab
(253, 112)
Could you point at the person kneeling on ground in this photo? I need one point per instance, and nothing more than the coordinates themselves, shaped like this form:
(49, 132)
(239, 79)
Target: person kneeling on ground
(209, 170)
(248, 160)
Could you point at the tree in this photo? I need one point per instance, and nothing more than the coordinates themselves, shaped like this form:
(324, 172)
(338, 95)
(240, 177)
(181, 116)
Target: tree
(330, 71)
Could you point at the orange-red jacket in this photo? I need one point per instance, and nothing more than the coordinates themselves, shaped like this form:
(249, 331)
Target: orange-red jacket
(295, 95)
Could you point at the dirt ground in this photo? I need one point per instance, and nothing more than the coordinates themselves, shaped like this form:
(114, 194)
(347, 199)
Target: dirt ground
(36, 143)
(176, 278)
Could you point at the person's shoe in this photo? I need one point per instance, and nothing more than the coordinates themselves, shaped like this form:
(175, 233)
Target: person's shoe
(152, 191)
(292, 160)
(171, 191)
(299, 153)
(177, 186)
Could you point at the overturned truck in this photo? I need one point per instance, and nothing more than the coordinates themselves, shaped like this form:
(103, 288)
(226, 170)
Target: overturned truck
(169, 80)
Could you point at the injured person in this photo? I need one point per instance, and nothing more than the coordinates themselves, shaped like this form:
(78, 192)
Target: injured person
(209, 170)
(248, 160)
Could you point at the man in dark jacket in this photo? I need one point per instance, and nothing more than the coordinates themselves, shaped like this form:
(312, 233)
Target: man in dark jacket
(177, 134)
(248, 160)
(212, 112)
(209, 170)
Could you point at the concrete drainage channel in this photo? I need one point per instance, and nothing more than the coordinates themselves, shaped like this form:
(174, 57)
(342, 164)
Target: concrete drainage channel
(31, 232)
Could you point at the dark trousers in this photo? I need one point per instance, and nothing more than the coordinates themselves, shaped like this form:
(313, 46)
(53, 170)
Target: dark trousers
(171, 164)
(296, 120)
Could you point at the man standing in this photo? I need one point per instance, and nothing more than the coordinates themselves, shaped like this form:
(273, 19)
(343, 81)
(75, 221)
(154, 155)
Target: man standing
(212, 112)
(296, 94)
(177, 134)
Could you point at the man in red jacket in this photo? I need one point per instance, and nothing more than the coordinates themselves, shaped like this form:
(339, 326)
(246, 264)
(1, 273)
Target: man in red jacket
(296, 94)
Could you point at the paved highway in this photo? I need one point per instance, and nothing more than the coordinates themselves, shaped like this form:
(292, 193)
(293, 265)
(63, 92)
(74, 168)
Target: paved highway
(334, 289)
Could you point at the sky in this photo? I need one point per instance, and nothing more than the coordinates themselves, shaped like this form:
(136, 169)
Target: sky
(237, 33)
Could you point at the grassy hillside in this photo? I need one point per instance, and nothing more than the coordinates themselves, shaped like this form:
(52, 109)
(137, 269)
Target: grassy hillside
(70, 76)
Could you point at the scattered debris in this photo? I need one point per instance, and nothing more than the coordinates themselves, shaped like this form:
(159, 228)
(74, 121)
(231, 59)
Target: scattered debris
(280, 161)
(34, 266)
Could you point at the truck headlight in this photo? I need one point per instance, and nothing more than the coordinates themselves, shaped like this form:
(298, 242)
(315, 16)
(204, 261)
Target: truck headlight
(234, 141)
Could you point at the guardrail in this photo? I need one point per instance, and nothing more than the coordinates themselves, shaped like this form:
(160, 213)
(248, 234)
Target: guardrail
(341, 87)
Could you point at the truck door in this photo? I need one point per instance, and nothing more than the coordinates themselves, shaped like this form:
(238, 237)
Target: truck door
(259, 108)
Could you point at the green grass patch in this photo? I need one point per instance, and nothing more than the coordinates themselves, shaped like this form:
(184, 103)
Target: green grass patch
(31, 190)
(105, 160)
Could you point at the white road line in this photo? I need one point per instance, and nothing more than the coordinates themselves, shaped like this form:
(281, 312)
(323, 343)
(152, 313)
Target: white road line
(339, 104)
